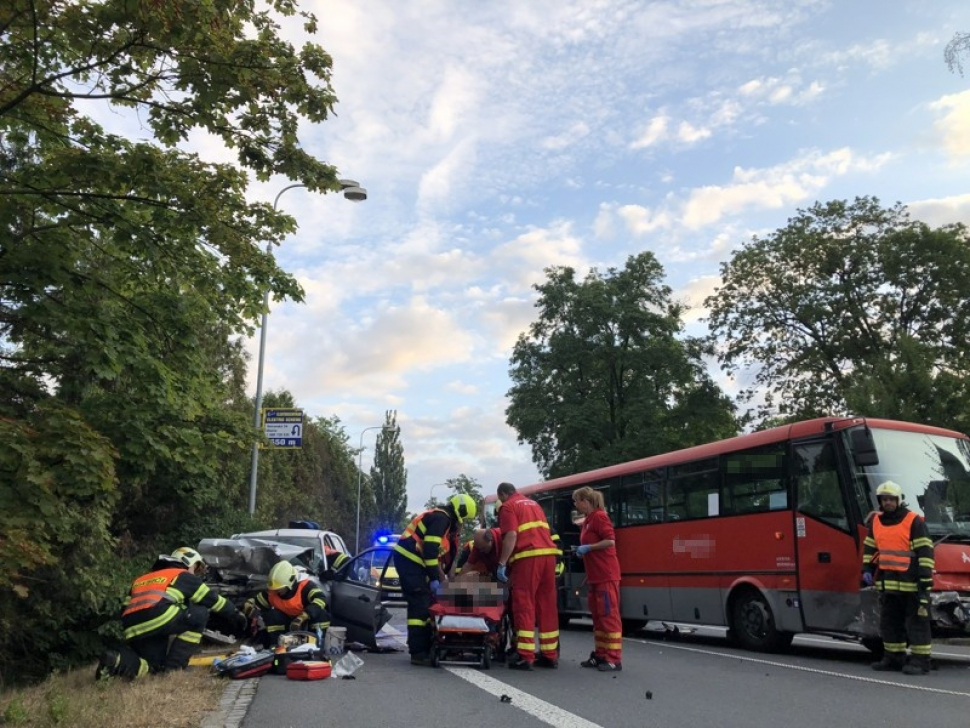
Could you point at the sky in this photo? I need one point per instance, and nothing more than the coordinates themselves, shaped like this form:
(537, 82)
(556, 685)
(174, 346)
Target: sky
(496, 139)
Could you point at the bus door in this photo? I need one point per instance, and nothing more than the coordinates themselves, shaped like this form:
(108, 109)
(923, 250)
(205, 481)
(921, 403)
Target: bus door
(572, 584)
(827, 550)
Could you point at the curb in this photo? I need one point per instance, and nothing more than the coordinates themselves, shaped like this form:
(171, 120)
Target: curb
(233, 705)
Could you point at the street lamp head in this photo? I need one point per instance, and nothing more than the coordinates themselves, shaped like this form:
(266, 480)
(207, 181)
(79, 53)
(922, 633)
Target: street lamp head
(352, 190)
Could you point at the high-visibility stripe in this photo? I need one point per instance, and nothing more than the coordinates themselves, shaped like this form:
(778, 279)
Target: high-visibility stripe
(418, 622)
(276, 628)
(922, 542)
(432, 539)
(320, 625)
(532, 524)
(894, 646)
(533, 552)
(410, 554)
(549, 635)
(191, 637)
(928, 563)
(898, 586)
(142, 667)
(525, 645)
(921, 649)
(165, 617)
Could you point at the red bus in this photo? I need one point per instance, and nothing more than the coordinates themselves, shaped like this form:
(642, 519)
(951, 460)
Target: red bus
(762, 533)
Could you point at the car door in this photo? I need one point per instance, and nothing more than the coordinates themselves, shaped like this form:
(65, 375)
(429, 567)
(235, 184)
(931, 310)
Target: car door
(355, 602)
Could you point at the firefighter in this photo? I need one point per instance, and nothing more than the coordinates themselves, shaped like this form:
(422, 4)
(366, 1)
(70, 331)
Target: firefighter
(170, 600)
(419, 556)
(898, 559)
(529, 552)
(288, 605)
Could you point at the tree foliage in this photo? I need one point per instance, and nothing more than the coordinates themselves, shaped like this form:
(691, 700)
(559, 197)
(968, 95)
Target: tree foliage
(388, 477)
(127, 267)
(604, 376)
(956, 49)
(851, 308)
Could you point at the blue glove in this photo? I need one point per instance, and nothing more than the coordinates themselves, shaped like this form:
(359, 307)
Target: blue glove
(867, 578)
(435, 586)
(500, 573)
(583, 550)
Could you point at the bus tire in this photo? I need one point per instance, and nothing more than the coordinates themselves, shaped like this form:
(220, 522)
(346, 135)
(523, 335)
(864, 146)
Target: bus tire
(753, 624)
(631, 626)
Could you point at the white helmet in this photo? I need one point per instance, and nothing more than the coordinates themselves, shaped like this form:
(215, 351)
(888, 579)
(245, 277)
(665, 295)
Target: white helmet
(188, 557)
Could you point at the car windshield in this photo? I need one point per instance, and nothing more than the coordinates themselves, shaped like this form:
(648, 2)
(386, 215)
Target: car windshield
(934, 472)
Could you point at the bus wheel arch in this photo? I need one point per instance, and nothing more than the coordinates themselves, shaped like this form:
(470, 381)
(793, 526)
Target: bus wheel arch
(752, 622)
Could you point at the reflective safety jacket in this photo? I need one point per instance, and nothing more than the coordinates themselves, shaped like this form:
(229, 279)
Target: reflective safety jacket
(156, 598)
(526, 519)
(899, 550)
(428, 538)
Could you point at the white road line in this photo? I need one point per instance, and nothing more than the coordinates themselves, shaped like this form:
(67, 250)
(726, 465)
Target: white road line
(540, 709)
(843, 643)
(801, 668)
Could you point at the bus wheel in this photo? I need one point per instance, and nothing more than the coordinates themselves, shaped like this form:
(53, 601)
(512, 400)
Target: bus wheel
(753, 624)
(630, 626)
(873, 644)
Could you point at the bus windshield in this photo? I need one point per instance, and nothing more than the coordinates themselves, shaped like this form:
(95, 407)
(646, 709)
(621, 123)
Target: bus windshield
(934, 472)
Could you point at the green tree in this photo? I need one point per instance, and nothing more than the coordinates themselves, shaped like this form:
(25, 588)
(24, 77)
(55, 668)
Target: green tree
(958, 47)
(603, 375)
(126, 268)
(388, 477)
(851, 308)
(460, 484)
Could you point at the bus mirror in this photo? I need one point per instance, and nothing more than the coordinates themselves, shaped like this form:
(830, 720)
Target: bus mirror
(864, 447)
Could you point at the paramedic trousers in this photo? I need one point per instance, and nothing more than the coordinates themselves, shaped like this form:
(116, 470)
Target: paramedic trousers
(899, 622)
(417, 593)
(151, 652)
(533, 583)
(604, 605)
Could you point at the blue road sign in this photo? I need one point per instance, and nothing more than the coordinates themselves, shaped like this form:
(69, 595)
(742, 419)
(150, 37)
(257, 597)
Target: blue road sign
(283, 428)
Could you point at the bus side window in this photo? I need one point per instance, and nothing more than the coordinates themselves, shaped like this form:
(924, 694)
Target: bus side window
(693, 495)
(638, 499)
(753, 482)
(819, 490)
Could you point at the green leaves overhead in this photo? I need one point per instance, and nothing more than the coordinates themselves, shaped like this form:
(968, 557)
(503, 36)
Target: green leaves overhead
(851, 308)
(602, 376)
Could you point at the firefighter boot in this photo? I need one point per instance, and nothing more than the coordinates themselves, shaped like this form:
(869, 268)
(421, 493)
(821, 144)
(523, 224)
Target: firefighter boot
(108, 665)
(917, 665)
(890, 662)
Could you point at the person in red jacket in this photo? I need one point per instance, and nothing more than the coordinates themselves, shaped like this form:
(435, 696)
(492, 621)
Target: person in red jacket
(598, 550)
(529, 552)
(481, 554)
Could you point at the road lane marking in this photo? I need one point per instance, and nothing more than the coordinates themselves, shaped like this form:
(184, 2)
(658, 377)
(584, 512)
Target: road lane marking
(845, 643)
(536, 707)
(801, 668)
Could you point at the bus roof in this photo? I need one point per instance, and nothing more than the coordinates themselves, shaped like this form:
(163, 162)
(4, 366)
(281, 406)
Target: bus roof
(805, 428)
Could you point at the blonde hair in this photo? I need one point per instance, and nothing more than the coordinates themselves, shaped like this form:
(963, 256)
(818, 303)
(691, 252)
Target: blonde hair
(590, 496)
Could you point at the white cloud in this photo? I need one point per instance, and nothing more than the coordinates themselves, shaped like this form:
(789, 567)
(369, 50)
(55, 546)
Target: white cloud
(656, 131)
(640, 221)
(942, 211)
(694, 294)
(954, 126)
(569, 137)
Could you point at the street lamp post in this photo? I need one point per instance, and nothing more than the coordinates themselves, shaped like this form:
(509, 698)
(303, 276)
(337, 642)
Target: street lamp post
(360, 472)
(353, 192)
(431, 494)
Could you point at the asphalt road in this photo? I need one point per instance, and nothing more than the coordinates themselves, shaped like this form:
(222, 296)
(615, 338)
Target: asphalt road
(695, 680)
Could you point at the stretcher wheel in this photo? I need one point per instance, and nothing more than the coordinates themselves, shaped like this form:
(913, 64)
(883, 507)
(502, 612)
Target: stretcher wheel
(487, 658)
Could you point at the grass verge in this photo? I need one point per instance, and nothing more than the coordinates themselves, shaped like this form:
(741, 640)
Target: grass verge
(74, 700)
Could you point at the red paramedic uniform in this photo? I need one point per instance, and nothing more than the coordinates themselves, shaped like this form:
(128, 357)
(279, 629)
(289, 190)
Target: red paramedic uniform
(603, 578)
(532, 577)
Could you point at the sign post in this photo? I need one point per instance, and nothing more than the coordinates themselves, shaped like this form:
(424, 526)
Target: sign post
(283, 428)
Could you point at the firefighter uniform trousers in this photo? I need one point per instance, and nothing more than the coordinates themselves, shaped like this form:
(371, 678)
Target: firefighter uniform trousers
(533, 584)
(899, 622)
(604, 605)
(417, 594)
(150, 653)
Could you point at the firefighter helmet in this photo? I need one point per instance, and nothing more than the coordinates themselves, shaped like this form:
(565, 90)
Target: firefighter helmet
(891, 489)
(464, 506)
(188, 557)
(282, 576)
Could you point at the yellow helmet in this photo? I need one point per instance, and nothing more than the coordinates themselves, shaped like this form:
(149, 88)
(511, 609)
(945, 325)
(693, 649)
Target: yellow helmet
(890, 489)
(464, 506)
(282, 576)
(189, 557)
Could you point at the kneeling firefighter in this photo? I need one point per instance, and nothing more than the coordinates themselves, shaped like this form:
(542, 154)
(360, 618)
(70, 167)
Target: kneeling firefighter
(288, 605)
(170, 600)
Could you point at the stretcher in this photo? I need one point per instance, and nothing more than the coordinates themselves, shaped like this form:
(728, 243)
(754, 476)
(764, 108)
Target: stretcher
(464, 635)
